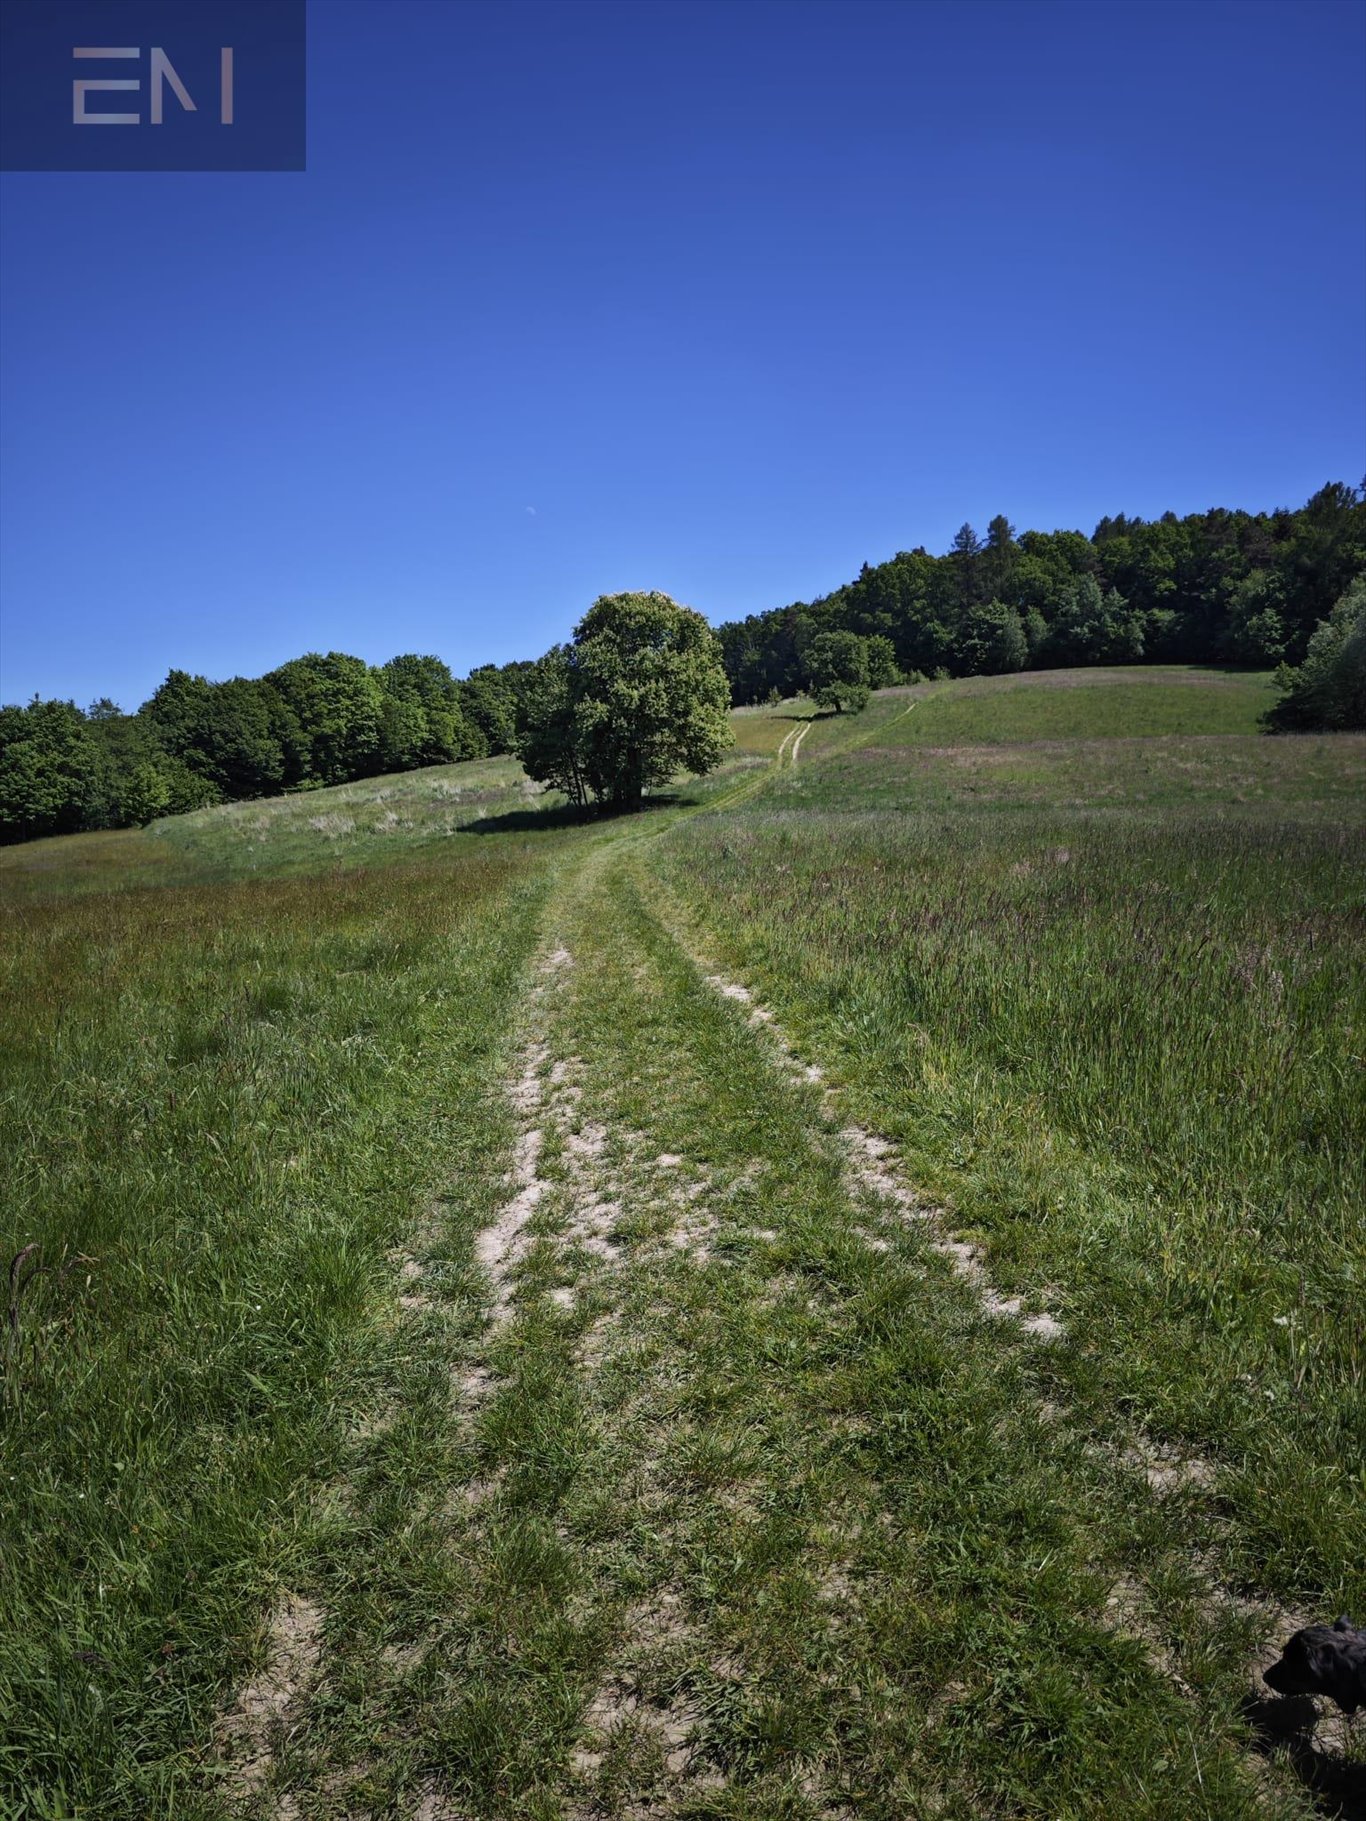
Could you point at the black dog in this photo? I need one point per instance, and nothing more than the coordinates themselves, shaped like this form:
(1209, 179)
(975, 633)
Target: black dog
(1323, 1660)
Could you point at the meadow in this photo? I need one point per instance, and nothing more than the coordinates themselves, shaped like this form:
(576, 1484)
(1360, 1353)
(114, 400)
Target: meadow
(505, 1352)
(223, 1106)
(1113, 1012)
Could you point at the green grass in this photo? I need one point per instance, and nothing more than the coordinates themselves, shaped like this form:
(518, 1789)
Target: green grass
(1088, 704)
(223, 1106)
(735, 1514)
(355, 822)
(368, 823)
(1126, 1045)
(1316, 776)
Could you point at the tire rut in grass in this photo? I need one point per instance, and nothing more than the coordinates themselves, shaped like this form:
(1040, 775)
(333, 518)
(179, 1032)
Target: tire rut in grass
(586, 1196)
(702, 1558)
(250, 1733)
(766, 1531)
(874, 1180)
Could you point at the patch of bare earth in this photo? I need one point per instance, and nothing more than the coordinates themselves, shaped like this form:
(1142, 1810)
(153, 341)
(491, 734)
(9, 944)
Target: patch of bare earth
(610, 1172)
(250, 1733)
(619, 1201)
(599, 1173)
(642, 1735)
(433, 1805)
(501, 1245)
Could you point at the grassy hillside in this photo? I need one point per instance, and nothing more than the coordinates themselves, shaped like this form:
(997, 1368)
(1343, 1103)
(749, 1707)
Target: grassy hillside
(533, 1329)
(1086, 705)
(365, 823)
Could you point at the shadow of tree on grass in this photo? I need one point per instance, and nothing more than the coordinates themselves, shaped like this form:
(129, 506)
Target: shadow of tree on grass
(566, 815)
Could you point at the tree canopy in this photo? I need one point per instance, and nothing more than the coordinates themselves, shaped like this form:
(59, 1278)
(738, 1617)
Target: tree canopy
(837, 671)
(639, 695)
(1217, 587)
(316, 720)
(49, 770)
(1328, 690)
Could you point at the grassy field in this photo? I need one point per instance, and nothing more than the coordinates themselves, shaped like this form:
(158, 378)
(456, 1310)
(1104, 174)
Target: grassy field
(363, 824)
(553, 1320)
(1085, 704)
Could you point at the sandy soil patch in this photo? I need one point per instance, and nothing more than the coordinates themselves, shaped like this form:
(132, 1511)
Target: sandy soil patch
(248, 1731)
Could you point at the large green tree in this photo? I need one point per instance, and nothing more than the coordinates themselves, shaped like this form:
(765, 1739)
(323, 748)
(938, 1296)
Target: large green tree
(883, 670)
(1094, 628)
(240, 737)
(177, 712)
(546, 738)
(490, 698)
(49, 770)
(421, 718)
(991, 641)
(1254, 630)
(837, 671)
(139, 779)
(637, 697)
(967, 561)
(998, 561)
(337, 702)
(1328, 690)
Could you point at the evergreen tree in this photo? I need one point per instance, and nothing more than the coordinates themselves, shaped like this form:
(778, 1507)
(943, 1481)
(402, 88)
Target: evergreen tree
(966, 558)
(999, 559)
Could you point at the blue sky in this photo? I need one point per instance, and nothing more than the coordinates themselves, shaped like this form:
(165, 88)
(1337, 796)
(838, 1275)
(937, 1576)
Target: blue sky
(718, 299)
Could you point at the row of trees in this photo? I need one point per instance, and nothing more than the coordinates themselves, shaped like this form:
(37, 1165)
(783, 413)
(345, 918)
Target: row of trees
(1217, 587)
(641, 690)
(638, 695)
(315, 721)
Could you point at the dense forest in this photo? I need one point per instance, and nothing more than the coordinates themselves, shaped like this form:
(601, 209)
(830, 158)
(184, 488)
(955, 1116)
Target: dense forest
(1219, 587)
(315, 721)
(1236, 588)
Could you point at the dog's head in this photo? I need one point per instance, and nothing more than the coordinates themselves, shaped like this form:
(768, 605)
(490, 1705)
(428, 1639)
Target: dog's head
(1323, 1660)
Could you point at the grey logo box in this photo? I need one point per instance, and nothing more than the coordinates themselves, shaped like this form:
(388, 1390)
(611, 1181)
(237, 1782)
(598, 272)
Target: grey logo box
(153, 85)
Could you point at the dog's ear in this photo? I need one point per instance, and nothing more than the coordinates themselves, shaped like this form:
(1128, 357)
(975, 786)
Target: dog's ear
(1320, 1658)
(1343, 1623)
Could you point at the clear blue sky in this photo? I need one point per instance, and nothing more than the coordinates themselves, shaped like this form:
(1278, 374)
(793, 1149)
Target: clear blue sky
(719, 299)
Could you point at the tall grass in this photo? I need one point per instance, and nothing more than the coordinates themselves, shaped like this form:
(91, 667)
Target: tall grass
(1127, 1046)
(373, 821)
(1114, 1017)
(222, 1106)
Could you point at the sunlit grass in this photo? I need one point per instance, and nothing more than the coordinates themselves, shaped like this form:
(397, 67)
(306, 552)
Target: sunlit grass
(1090, 704)
(1084, 946)
(222, 1106)
(372, 821)
(1125, 1042)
